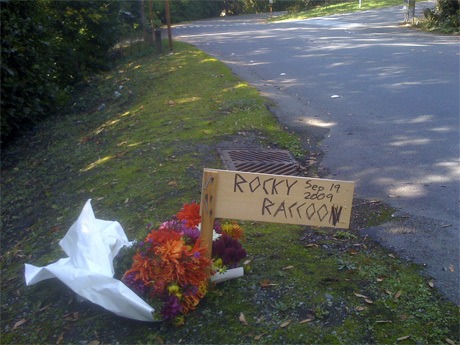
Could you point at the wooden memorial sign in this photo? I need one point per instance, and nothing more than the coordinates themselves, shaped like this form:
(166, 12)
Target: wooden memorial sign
(273, 198)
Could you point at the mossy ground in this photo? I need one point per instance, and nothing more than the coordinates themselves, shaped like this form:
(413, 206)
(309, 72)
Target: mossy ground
(140, 159)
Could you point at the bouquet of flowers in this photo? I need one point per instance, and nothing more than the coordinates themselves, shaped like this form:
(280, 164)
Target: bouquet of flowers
(170, 269)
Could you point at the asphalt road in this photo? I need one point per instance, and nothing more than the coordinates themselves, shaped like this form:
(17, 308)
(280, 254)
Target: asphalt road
(384, 101)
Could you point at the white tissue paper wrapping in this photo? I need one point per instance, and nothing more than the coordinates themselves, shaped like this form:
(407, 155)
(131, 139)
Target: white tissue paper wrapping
(91, 245)
(227, 275)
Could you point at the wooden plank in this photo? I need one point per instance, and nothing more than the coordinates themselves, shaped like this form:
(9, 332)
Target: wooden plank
(283, 199)
(207, 208)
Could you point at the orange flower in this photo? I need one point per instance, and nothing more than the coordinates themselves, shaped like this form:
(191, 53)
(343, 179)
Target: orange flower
(142, 267)
(233, 230)
(191, 300)
(190, 213)
(167, 266)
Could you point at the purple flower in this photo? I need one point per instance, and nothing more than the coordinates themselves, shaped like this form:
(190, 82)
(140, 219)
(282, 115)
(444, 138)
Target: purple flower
(229, 250)
(190, 290)
(169, 225)
(191, 235)
(136, 285)
(171, 308)
(217, 227)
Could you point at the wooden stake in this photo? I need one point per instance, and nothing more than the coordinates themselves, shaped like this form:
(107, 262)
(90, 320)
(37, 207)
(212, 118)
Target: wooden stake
(207, 208)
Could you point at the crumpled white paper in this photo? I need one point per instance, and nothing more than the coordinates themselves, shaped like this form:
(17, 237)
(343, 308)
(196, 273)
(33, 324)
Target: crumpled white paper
(91, 245)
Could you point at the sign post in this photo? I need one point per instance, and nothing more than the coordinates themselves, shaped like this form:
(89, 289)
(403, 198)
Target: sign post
(207, 208)
(273, 198)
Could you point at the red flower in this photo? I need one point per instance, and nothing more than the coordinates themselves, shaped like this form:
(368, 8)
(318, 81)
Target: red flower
(190, 213)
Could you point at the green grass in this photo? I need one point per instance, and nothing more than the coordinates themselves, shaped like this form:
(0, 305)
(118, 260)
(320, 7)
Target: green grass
(139, 160)
(337, 8)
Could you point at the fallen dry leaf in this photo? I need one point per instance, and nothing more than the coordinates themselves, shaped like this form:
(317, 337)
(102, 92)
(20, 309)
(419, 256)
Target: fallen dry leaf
(172, 183)
(243, 319)
(312, 245)
(403, 317)
(450, 342)
(403, 338)
(288, 268)
(266, 283)
(260, 319)
(379, 280)
(258, 337)
(431, 283)
(120, 154)
(359, 295)
(19, 323)
(306, 320)
(360, 308)
(451, 268)
(285, 324)
(94, 342)
(247, 262)
(368, 301)
(44, 308)
(71, 316)
(398, 294)
(391, 256)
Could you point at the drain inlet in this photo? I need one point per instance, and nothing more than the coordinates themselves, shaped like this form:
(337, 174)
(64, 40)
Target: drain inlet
(267, 161)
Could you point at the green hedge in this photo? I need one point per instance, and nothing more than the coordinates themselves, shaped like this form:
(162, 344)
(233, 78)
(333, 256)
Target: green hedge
(46, 48)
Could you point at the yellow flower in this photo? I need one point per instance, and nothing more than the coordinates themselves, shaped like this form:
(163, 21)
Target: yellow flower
(174, 289)
(233, 230)
(227, 227)
(218, 262)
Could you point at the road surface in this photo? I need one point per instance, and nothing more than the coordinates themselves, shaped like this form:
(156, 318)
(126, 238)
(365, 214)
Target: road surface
(383, 102)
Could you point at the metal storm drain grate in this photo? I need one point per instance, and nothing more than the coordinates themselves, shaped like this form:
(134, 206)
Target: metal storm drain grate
(278, 162)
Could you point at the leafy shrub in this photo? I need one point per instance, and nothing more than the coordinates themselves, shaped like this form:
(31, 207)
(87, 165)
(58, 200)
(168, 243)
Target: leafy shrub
(445, 19)
(447, 8)
(46, 48)
(85, 32)
(28, 90)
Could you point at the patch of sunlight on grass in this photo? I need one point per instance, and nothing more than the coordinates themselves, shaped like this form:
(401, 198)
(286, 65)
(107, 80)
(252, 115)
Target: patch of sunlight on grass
(135, 144)
(240, 85)
(209, 60)
(188, 100)
(106, 125)
(100, 161)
